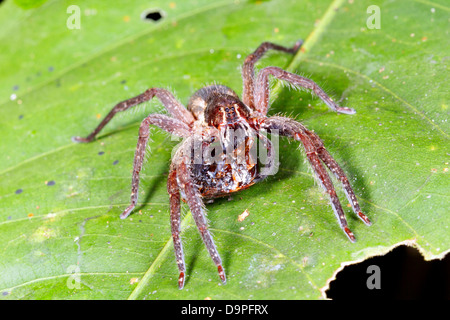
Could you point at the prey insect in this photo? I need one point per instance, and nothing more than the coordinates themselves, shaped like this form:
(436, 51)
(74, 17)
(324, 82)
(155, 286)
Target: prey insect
(209, 126)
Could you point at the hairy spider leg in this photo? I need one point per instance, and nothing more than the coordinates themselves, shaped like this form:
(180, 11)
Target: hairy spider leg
(176, 109)
(197, 207)
(164, 122)
(297, 131)
(248, 72)
(175, 223)
(334, 167)
(262, 90)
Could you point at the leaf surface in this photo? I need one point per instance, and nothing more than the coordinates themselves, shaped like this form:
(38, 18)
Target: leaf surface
(60, 232)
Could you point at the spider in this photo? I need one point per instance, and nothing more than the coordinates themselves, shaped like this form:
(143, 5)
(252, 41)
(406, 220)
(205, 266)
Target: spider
(209, 126)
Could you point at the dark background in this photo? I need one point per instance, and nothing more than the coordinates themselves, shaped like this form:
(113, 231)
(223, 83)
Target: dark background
(404, 275)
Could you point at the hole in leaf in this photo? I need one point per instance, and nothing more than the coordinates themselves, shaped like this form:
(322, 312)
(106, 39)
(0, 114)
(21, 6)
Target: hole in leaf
(403, 274)
(152, 15)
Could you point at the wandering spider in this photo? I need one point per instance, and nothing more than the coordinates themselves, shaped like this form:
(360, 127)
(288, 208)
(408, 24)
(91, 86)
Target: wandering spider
(213, 160)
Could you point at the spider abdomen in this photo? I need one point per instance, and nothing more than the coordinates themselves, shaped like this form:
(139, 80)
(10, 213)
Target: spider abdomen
(228, 164)
(214, 182)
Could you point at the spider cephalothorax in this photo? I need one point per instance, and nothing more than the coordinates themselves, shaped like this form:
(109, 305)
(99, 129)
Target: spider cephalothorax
(219, 154)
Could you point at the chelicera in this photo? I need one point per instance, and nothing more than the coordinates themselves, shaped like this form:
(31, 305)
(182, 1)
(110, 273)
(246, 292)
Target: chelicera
(217, 156)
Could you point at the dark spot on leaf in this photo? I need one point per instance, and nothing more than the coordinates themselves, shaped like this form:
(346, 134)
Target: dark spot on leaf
(50, 69)
(21, 116)
(51, 183)
(5, 293)
(123, 81)
(153, 15)
(19, 191)
(16, 87)
(115, 162)
(101, 153)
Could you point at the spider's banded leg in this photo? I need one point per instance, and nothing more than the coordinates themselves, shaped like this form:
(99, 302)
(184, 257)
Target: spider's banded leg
(166, 123)
(293, 129)
(176, 109)
(248, 72)
(334, 167)
(175, 223)
(262, 89)
(197, 208)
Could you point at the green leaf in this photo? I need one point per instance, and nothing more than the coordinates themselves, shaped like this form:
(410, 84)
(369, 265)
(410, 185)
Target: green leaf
(60, 232)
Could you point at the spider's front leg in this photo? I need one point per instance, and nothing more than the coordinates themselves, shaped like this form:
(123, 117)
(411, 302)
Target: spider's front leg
(176, 109)
(248, 69)
(316, 153)
(166, 123)
(262, 89)
(197, 207)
